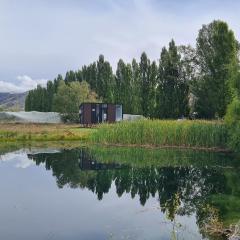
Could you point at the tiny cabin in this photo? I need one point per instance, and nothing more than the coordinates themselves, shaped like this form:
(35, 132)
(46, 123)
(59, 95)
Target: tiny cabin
(94, 113)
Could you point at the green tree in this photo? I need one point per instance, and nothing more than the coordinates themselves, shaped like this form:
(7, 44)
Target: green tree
(153, 76)
(173, 89)
(189, 73)
(41, 98)
(105, 80)
(69, 97)
(128, 90)
(124, 86)
(136, 89)
(92, 76)
(232, 117)
(36, 100)
(119, 91)
(50, 94)
(70, 77)
(28, 102)
(144, 82)
(216, 53)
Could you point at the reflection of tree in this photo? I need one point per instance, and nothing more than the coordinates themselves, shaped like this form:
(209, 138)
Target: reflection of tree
(180, 190)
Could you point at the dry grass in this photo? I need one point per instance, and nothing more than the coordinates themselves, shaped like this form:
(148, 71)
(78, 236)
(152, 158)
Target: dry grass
(42, 132)
(213, 225)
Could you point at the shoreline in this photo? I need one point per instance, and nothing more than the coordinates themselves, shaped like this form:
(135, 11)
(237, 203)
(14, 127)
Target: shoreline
(30, 133)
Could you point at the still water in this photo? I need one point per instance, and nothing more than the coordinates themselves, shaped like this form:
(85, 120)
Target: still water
(115, 193)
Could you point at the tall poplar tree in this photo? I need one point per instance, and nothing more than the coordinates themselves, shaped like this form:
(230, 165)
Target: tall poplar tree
(119, 87)
(172, 91)
(105, 80)
(70, 77)
(144, 83)
(136, 92)
(124, 86)
(153, 76)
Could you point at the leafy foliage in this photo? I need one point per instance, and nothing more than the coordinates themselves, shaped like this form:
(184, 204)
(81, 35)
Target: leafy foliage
(173, 88)
(69, 97)
(233, 112)
(216, 52)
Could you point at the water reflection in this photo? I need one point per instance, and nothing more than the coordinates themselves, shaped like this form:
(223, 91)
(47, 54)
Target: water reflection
(180, 190)
(192, 185)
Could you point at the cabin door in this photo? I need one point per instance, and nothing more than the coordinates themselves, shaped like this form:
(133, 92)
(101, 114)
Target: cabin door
(93, 113)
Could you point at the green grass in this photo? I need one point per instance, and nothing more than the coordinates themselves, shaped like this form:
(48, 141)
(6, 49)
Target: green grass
(193, 134)
(199, 134)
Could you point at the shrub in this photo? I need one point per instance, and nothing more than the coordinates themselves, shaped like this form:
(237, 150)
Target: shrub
(232, 120)
(233, 112)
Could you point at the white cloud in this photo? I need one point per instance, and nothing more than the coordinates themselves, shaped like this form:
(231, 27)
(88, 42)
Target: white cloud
(9, 87)
(74, 33)
(24, 83)
(24, 163)
(19, 160)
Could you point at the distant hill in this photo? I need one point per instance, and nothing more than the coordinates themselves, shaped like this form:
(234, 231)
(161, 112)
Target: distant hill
(12, 101)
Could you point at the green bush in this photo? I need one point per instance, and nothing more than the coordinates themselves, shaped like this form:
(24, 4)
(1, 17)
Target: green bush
(233, 112)
(232, 120)
(234, 137)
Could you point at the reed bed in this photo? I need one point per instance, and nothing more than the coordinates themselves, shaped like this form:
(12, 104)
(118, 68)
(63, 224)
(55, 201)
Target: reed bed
(199, 134)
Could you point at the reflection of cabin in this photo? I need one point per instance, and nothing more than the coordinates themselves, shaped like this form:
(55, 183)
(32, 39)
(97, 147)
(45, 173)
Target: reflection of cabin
(88, 163)
(93, 113)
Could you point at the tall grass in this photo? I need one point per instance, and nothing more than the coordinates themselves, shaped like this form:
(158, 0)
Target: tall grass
(202, 134)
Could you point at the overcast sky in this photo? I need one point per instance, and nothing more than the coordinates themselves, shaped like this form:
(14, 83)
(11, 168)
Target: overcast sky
(41, 38)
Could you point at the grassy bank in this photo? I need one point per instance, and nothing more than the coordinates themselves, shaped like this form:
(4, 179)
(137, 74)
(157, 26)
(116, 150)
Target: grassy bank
(10, 132)
(194, 134)
(154, 133)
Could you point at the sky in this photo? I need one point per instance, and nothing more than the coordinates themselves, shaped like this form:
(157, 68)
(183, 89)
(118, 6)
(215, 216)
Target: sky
(40, 39)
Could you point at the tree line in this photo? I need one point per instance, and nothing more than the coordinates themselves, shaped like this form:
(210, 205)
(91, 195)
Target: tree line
(186, 81)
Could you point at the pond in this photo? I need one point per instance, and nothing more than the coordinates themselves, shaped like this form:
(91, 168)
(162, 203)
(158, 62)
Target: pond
(116, 193)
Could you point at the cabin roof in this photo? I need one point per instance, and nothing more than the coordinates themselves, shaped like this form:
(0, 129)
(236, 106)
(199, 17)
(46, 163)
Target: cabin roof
(99, 103)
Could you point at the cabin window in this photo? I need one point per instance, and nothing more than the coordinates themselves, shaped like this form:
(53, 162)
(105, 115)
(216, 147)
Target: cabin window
(104, 113)
(97, 113)
(118, 113)
(104, 117)
(81, 114)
